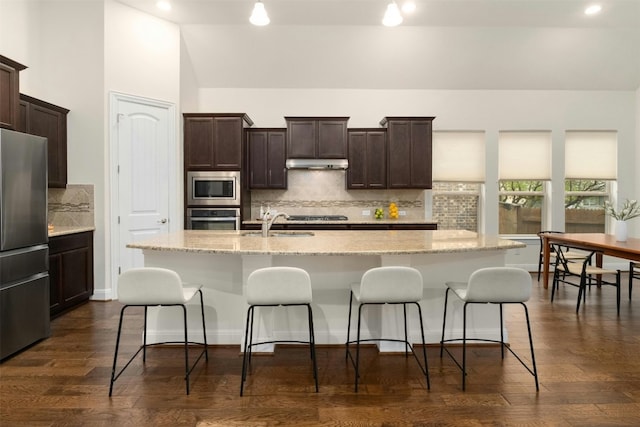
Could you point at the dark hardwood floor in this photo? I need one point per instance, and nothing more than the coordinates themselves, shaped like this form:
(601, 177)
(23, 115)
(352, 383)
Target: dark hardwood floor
(589, 370)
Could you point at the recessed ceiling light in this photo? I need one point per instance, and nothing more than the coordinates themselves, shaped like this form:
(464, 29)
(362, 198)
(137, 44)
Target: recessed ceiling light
(163, 5)
(409, 6)
(594, 9)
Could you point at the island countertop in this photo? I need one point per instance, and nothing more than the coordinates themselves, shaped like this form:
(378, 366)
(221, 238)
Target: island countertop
(385, 242)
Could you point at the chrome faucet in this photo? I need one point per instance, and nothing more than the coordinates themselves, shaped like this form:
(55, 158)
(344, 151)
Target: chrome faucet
(267, 223)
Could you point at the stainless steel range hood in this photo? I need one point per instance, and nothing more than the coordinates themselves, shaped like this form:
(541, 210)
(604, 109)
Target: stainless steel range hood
(329, 164)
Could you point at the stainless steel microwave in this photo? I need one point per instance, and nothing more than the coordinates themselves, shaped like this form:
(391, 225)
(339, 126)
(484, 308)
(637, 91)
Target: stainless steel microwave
(213, 188)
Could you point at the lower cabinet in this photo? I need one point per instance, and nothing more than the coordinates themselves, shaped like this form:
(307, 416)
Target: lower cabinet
(70, 271)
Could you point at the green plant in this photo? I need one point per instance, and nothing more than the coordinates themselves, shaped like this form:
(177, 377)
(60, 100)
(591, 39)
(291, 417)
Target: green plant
(630, 209)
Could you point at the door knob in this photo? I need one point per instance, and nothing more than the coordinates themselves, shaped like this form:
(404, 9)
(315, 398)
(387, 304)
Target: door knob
(163, 221)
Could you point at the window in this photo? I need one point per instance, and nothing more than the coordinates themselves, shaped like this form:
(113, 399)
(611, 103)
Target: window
(524, 160)
(521, 206)
(458, 176)
(584, 205)
(456, 205)
(590, 171)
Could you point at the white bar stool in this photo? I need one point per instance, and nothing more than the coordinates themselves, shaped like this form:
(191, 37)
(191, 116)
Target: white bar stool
(145, 287)
(388, 285)
(271, 287)
(493, 285)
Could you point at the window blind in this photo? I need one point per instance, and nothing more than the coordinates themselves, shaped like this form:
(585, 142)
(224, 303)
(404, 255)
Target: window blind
(458, 156)
(591, 155)
(524, 155)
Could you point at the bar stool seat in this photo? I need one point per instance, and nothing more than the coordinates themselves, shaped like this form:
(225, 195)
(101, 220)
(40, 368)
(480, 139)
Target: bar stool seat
(148, 287)
(387, 285)
(493, 285)
(277, 286)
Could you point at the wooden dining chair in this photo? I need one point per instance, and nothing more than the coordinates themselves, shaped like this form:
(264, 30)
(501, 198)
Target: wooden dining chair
(575, 255)
(567, 272)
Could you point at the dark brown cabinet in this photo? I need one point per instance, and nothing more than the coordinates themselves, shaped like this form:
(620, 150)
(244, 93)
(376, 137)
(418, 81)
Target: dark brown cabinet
(41, 118)
(317, 137)
(367, 150)
(409, 151)
(214, 141)
(267, 153)
(70, 270)
(9, 92)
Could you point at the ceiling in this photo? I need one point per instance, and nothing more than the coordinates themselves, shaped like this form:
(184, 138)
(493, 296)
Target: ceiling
(444, 44)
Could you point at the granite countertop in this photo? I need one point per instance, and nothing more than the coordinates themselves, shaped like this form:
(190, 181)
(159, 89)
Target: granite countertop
(385, 242)
(61, 230)
(349, 221)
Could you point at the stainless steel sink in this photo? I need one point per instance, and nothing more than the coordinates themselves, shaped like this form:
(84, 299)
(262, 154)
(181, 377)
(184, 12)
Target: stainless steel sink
(279, 234)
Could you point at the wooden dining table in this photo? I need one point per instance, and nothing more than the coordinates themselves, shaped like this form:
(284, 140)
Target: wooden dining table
(604, 244)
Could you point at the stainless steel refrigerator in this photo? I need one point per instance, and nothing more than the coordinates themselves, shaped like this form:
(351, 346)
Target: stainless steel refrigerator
(24, 250)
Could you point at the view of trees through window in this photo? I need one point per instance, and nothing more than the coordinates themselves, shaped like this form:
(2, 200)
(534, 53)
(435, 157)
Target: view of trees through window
(522, 204)
(584, 205)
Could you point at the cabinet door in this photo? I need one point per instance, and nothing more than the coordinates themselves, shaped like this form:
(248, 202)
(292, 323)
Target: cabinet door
(55, 283)
(23, 117)
(198, 143)
(276, 159)
(267, 157)
(52, 124)
(332, 139)
(357, 171)
(376, 159)
(421, 156)
(399, 150)
(227, 143)
(301, 139)
(258, 169)
(70, 270)
(9, 92)
(409, 153)
(78, 283)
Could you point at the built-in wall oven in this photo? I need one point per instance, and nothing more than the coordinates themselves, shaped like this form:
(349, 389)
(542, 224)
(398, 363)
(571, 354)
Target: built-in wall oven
(213, 218)
(213, 188)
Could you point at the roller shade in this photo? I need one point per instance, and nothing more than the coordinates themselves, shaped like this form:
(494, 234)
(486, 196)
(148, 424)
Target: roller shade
(459, 156)
(524, 155)
(591, 155)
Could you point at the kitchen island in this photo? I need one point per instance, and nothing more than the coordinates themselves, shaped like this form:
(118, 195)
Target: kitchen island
(222, 260)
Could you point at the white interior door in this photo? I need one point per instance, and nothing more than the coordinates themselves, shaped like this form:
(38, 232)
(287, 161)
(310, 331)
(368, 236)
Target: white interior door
(144, 134)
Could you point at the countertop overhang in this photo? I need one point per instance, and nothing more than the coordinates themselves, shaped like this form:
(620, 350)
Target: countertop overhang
(62, 230)
(348, 222)
(386, 242)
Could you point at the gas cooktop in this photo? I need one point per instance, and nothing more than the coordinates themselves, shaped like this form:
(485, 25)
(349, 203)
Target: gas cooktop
(317, 218)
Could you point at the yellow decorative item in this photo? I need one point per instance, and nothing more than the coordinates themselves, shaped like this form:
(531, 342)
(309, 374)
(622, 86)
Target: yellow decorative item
(379, 213)
(393, 211)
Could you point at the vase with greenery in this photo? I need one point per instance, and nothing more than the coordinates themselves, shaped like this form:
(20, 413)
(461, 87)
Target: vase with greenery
(630, 209)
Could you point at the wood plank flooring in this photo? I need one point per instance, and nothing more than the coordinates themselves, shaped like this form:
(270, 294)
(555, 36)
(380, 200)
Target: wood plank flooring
(589, 370)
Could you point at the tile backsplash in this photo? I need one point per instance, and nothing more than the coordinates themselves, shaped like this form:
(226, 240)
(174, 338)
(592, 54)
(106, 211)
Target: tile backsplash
(324, 192)
(71, 206)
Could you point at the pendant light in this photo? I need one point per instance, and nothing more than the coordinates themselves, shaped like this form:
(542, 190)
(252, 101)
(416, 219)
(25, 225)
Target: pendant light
(392, 16)
(259, 15)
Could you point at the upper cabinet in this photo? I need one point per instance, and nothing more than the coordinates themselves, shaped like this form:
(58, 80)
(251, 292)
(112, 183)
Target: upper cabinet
(317, 137)
(267, 152)
(9, 92)
(41, 118)
(367, 159)
(409, 151)
(214, 141)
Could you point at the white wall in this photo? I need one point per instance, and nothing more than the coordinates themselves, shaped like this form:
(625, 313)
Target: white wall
(61, 43)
